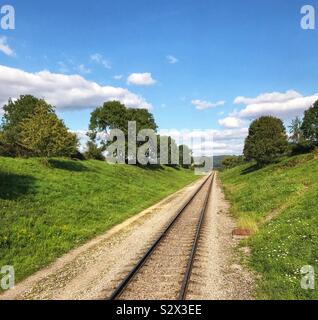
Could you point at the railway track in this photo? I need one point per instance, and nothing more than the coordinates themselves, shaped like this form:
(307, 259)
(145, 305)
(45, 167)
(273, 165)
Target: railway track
(164, 272)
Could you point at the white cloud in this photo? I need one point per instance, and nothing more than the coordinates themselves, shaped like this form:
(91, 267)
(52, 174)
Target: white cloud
(83, 69)
(141, 79)
(98, 58)
(269, 97)
(63, 91)
(202, 105)
(5, 48)
(231, 122)
(171, 59)
(208, 142)
(285, 105)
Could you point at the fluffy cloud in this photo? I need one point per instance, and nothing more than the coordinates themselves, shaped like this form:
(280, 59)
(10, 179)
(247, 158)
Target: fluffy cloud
(285, 105)
(5, 48)
(231, 122)
(98, 58)
(202, 105)
(208, 142)
(63, 91)
(171, 59)
(141, 79)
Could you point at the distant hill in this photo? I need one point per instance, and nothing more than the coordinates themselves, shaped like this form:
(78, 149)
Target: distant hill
(217, 160)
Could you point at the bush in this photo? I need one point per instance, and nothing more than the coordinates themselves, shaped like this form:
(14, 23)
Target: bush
(231, 162)
(301, 148)
(93, 152)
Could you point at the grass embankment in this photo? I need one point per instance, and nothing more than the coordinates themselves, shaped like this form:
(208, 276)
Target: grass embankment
(280, 204)
(46, 211)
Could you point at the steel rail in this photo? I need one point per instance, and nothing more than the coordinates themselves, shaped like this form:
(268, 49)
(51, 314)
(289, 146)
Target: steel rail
(122, 286)
(187, 275)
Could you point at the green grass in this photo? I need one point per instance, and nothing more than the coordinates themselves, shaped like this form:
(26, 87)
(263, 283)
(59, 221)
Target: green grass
(46, 211)
(282, 200)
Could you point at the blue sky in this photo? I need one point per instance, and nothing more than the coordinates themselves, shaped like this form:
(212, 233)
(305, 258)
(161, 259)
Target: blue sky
(221, 50)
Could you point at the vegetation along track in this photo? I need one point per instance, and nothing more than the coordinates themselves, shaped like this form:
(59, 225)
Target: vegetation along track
(164, 272)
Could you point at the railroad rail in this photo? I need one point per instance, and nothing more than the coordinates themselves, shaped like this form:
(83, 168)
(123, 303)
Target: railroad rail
(174, 249)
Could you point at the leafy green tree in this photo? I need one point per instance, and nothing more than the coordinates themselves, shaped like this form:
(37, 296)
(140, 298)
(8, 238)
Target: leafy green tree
(15, 112)
(266, 141)
(114, 115)
(44, 135)
(295, 130)
(93, 151)
(310, 124)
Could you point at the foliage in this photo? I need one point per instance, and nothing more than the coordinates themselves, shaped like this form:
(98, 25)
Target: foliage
(310, 124)
(168, 146)
(114, 115)
(185, 156)
(44, 135)
(93, 152)
(295, 130)
(301, 148)
(45, 212)
(231, 162)
(15, 112)
(266, 140)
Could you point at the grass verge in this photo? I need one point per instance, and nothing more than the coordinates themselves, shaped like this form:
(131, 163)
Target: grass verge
(280, 204)
(46, 211)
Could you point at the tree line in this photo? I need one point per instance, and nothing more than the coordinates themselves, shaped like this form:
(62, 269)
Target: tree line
(31, 128)
(267, 139)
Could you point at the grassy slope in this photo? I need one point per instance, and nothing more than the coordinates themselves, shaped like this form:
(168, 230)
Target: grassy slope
(288, 192)
(45, 212)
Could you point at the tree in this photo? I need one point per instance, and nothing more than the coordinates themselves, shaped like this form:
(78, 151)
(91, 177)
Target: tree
(3, 151)
(15, 112)
(168, 151)
(114, 115)
(94, 152)
(185, 156)
(266, 140)
(295, 130)
(310, 124)
(44, 135)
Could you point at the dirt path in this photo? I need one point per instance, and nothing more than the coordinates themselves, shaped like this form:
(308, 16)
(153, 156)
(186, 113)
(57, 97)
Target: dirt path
(95, 269)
